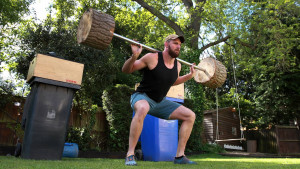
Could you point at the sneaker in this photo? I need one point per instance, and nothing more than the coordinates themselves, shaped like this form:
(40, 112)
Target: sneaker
(130, 160)
(183, 160)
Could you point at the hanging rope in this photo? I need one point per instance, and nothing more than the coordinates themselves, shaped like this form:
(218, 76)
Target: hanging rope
(238, 103)
(236, 95)
(217, 129)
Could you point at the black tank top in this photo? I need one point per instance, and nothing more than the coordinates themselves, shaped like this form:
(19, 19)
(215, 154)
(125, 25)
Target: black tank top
(157, 82)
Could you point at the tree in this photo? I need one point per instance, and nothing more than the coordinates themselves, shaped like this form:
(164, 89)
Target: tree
(13, 10)
(276, 28)
(266, 62)
(99, 68)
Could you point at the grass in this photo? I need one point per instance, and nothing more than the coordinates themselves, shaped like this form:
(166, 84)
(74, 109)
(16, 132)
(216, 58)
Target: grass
(205, 161)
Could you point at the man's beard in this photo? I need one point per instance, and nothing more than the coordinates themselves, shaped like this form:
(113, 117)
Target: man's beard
(172, 53)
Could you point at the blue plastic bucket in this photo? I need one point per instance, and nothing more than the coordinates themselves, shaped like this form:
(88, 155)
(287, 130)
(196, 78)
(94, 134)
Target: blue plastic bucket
(70, 150)
(159, 139)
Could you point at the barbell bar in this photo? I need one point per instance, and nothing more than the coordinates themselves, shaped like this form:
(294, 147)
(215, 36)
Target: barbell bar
(155, 50)
(96, 29)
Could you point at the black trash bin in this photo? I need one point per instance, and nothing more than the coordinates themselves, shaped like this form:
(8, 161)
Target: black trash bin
(45, 119)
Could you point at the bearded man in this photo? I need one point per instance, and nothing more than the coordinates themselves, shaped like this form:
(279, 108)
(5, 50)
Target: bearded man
(160, 72)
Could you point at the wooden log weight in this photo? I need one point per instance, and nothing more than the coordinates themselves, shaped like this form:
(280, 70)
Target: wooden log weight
(215, 69)
(95, 29)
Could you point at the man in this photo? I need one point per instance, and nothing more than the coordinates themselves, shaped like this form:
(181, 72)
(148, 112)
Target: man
(161, 71)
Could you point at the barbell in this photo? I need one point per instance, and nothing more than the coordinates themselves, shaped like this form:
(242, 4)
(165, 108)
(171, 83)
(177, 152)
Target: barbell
(96, 29)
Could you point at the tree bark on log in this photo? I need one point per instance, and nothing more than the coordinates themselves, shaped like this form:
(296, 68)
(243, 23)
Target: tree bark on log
(95, 29)
(215, 69)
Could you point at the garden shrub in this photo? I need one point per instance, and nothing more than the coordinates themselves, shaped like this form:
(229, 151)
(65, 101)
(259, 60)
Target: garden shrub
(212, 148)
(80, 136)
(83, 135)
(116, 104)
(194, 143)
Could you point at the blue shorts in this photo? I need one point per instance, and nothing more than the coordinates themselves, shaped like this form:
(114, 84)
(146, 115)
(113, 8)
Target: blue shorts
(161, 110)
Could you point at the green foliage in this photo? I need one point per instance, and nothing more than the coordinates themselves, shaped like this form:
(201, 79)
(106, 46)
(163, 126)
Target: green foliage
(212, 148)
(100, 67)
(17, 129)
(79, 136)
(116, 101)
(141, 24)
(12, 10)
(280, 97)
(275, 62)
(92, 120)
(238, 100)
(196, 103)
(264, 49)
(5, 91)
(277, 79)
(83, 135)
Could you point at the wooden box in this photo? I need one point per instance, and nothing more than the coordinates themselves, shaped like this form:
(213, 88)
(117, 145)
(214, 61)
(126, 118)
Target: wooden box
(53, 68)
(174, 92)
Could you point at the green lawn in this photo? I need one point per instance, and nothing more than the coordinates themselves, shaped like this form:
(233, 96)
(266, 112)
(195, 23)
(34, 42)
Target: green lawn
(205, 161)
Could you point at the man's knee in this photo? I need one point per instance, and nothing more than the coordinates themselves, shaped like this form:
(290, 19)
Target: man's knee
(141, 109)
(192, 116)
(141, 112)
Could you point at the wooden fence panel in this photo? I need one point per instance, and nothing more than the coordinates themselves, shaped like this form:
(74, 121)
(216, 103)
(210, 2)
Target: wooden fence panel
(288, 139)
(266, 140)
(7, 136)
(282, 140)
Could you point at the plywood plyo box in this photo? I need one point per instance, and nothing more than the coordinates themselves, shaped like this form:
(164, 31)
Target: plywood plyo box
(53, 68)
(176, 92)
